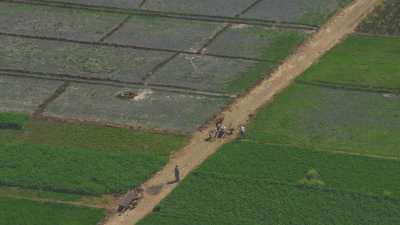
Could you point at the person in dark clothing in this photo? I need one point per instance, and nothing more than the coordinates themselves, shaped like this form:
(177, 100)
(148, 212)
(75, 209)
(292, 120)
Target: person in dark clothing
(221, 132)
(177, 174)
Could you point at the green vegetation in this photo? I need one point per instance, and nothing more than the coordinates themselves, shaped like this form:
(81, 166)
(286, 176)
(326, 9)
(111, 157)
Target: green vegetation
(226, 201)
(83, 159)
(258, 184)
(331, 119)
(371, 62)
(73, 135)
(12, 120)
(283, 172)
(74, 170)
(24, 212)
(282, 43)
(289, 165)
(384, 20)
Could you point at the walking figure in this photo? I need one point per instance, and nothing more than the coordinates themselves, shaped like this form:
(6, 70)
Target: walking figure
(177, 174)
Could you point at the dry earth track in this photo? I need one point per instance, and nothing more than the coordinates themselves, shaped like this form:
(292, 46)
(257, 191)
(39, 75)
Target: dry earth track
(197, 151)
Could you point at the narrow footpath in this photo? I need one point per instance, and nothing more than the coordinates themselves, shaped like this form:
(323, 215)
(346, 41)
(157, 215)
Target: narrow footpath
(197, 151)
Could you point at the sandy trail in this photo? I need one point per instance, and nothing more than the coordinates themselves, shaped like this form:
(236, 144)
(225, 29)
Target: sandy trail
(238, 113)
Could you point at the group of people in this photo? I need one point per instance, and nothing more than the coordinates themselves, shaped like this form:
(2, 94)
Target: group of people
(219, 132)
(220, 129)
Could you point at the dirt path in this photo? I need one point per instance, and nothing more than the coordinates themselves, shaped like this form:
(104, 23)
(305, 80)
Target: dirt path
(238, 113)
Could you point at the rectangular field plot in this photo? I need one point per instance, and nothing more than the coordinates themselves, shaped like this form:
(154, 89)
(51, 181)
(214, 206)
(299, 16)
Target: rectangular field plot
(24, 212)
(331, 119)
(149, 109)
(385, 20)
(74, 170)
(205, 7)
(82, 159)
(310, 12)
(56, 22)
(87, 61)
(218, 199)
(84, 136)
(365, 61)
(165, 33)
(290, 165)
(24, 94)
(206, 73)
(256, 42)
(132, 4)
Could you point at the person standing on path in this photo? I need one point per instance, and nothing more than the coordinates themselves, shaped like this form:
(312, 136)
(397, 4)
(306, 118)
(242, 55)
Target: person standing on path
(177, 174)
(242, 130)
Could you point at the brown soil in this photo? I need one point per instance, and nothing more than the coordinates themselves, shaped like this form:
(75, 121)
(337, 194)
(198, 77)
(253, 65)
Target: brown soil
(197, 151)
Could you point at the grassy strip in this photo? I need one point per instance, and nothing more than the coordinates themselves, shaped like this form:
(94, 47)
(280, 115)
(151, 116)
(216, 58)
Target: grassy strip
(282, 43)
(24, 212)
(384, 20)
(10, 120)
(212, 200)
(360, 60)
(324, 118)
(74, 170)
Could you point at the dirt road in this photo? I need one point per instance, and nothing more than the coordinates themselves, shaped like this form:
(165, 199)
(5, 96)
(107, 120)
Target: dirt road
(238, 113)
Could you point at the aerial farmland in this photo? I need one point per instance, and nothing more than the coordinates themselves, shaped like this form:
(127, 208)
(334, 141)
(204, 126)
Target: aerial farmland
(182, 112)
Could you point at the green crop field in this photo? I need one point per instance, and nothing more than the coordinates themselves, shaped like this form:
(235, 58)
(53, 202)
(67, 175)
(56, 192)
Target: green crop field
(218, 200)
(370, 62)
(282, 43)
(84, 136)
(24, 212)
(288, 164)
(249, 183)
(331, 119)
(75, 170)
(83, 159)
(385, 20)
